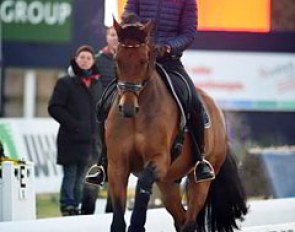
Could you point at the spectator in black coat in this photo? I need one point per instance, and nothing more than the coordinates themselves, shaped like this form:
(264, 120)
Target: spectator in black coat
(105, 66)
(72, 105)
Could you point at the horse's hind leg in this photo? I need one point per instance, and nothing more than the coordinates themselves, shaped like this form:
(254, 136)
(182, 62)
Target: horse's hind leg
(171, 197)
(197, 195)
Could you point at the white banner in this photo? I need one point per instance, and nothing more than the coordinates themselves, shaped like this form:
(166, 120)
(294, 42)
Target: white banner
(34, 140)
(245, 80)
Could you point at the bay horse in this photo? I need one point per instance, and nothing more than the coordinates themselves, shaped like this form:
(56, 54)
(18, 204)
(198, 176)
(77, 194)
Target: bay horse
(142, 124)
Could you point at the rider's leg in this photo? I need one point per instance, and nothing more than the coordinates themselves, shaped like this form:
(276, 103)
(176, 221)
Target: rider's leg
(97, 174)
(203, 169)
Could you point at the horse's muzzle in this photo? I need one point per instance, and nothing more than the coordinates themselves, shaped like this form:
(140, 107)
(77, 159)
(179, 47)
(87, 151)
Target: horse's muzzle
(128, 111)
(128, 104)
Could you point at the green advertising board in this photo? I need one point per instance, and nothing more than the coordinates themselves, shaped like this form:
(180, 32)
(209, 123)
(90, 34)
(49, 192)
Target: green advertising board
(36, 20)
(6, 139)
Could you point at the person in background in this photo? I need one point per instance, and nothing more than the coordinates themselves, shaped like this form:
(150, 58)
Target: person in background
(104, 58)
(175, 24)
(105, 66)
(72, 105)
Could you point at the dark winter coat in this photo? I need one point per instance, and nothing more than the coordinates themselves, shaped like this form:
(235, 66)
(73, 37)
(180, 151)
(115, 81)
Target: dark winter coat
(105, 66)
(73, 105)
(175, 21)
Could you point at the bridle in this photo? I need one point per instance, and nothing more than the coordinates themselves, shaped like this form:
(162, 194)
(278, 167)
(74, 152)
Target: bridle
(129, 86)
(131, 46)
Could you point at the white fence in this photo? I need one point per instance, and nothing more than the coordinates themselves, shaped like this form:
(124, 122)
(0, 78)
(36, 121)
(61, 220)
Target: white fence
(287, 227)
(265, 216)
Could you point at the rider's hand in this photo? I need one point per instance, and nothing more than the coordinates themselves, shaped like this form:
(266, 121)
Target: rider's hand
(161, 50)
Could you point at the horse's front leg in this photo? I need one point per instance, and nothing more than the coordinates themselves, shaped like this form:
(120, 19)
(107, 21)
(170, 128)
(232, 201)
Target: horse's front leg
(142, 196)
(118, 180)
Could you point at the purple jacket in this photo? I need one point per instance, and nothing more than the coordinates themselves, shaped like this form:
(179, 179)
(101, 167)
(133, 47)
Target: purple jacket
(175, 20)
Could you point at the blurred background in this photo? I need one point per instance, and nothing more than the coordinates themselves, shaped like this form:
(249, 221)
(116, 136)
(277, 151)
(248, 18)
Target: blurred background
(244, 56)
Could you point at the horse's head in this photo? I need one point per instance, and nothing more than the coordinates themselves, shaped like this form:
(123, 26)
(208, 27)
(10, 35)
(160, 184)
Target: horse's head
(133, 64)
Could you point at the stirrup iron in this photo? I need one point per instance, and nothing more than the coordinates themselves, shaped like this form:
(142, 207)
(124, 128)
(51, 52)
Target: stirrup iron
(93, 173)
(211, 168)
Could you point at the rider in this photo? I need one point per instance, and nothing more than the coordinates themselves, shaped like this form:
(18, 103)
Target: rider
(174, 30)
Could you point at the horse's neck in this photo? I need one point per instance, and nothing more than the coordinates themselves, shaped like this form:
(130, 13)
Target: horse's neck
(157, 94)
(153, 89)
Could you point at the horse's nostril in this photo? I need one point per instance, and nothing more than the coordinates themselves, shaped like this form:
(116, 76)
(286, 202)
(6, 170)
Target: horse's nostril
(120, 108)
(136, 109)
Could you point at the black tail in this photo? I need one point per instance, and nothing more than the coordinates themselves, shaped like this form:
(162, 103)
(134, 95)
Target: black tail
(226, 201)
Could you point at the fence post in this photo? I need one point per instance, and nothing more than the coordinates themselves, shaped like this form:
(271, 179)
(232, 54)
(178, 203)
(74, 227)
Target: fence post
(17, 192)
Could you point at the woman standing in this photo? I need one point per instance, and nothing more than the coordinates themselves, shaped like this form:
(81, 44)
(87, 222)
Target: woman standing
(72, 105)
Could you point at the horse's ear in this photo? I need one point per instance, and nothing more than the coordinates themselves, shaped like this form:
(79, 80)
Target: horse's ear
(117, 26)
(148, 27)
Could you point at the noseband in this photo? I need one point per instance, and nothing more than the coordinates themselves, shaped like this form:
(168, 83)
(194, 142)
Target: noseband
(128, 86)
(131, 87)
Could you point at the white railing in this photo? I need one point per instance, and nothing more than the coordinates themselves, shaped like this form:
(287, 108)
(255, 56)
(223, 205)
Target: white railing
(287, 227)
(280, 217)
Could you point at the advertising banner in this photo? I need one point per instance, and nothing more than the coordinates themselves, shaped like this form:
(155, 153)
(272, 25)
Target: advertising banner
(255, 16)
(245, 80)
(34, 140)
(36, 20)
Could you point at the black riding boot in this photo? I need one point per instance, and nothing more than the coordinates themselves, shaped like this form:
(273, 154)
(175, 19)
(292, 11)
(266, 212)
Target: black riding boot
(97, 173)
(203, 170)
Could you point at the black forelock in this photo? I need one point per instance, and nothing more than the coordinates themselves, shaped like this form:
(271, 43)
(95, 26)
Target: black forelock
(132, 32)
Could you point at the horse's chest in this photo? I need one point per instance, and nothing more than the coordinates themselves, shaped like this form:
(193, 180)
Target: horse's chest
(140, 140)
(144, 143)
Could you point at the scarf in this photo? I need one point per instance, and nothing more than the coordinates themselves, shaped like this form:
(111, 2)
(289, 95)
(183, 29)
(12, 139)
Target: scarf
(87, 76)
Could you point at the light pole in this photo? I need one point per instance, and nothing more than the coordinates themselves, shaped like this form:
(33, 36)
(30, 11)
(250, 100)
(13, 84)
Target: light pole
(110, 10)
(1, 70)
